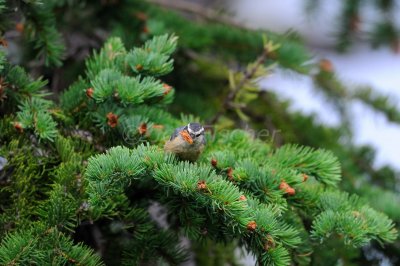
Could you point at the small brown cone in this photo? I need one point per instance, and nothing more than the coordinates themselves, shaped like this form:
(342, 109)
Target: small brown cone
(112, 119)
(201, 185)
(89, 92)
(287, 189)
(229, 172)
(142, 129)
(326, 65)
(141, 16)
(251, 226)
(18, 127)
(20, 27)
(167, 89)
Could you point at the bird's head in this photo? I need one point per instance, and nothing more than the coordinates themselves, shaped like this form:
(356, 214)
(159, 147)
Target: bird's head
(195, 130)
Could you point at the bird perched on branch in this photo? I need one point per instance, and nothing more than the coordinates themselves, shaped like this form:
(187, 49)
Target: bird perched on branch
(187, 142)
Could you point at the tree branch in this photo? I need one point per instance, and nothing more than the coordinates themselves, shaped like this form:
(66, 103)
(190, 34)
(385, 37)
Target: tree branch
(198, 10)
(248, 75)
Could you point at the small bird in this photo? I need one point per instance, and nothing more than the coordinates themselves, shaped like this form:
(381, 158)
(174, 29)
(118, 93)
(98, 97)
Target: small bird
(187, 142)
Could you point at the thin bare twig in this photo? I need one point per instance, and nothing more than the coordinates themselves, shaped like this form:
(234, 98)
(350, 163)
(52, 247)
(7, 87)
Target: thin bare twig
(198, 10)
(248, 75)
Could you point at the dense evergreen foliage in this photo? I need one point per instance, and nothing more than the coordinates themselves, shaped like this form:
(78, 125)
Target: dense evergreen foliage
(83, 176)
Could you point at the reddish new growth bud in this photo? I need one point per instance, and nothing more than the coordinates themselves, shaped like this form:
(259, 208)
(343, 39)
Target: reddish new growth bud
(142, 129)
(269, 242)
(20, 27)
(290, 191)
(141, 16)
(251, 226)
(18, 127)
(355, 22)
(243, 197)
(283, 185)
(139, 67)
(229, 172)
(326, 65)
(112, 119)
(305, 177)
(3, 43)
(286, 188)
(89, 92)
(201, 185)
(167, 88)
(214, 162)
(145, 29)
(158, 126)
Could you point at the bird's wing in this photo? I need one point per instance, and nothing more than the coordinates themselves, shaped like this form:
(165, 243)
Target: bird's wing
(176, 132)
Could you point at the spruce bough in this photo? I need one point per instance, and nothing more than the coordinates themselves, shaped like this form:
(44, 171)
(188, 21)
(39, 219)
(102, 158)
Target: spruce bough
(276, 203)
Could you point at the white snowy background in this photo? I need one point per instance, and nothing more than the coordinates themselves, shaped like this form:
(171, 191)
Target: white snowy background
(361, 65)
(379, 68)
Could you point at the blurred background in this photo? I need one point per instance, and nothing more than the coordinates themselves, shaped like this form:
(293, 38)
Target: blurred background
(319, 22)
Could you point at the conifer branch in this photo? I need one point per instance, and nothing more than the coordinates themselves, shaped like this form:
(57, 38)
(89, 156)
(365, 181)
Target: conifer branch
(197, 183)
(277, 203)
